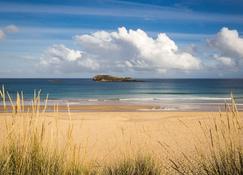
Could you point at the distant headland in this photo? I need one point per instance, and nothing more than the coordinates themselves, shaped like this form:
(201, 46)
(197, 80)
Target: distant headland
(110, 78)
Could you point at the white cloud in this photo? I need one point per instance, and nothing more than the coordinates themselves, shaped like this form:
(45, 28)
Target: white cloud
(228, 42)
(121, 50)
(8, 29)
(63, 53)
(135, 49)
(228, 49)
(134, 52)
(226, 61)
(59, 58)
(11, 29)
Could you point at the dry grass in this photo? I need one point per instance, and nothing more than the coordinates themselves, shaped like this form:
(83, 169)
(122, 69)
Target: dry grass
(140, 165)
(30, 146)
(27, 147)
(219, 152)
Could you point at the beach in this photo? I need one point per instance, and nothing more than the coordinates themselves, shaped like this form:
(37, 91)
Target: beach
(86, 126)
(107, 136)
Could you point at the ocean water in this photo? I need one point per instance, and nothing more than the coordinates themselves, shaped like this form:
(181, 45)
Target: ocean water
(169, 94)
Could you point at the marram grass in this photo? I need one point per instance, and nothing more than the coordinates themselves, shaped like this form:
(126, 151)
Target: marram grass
(140, 165)
(25, 150)
(223, 152)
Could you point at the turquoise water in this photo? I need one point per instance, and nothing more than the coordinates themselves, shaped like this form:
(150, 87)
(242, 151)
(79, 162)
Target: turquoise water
(170, 94)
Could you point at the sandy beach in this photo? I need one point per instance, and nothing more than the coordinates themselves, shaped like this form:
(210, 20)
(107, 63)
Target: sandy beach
(105, 136)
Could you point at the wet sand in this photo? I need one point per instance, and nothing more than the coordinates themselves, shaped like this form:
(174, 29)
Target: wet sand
(129, 107)
(91, 108)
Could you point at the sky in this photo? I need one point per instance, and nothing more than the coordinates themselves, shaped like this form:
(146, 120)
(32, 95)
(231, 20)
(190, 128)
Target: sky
(137, 38)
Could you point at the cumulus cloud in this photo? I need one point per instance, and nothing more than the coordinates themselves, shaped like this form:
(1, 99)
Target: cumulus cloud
(131, 50)
(134, 48)
(8, 29)
(229, 48)
(228, 42)
(59, 58)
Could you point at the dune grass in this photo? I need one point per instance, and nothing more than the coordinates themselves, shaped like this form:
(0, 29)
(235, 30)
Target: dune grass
(25, 148)
(219, 152)
(140, 165)
(28, 148)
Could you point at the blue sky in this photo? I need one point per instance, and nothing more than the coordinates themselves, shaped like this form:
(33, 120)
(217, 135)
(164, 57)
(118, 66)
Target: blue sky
(44, 26)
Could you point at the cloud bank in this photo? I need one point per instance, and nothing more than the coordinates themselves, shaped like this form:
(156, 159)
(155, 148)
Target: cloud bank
(134, 52)
(122, 50)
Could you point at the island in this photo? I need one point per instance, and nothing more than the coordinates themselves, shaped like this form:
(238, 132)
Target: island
(55, 81)
(110, 78)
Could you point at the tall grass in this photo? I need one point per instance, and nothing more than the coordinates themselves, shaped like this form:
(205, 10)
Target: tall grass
(140, 165)
(219, 152)
(29, 147)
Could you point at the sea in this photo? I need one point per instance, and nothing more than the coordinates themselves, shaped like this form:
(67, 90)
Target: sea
(167, 94)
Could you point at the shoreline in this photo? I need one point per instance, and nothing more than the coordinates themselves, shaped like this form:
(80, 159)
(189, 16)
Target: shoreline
(127, 107)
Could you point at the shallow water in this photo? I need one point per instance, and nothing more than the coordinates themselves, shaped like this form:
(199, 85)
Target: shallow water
(169, 94)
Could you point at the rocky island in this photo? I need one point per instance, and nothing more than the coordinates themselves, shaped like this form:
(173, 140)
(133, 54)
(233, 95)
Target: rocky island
(109, 78)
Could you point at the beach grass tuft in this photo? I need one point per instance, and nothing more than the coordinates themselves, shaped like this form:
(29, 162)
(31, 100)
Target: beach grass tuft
(140, 165)
(27, 148)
